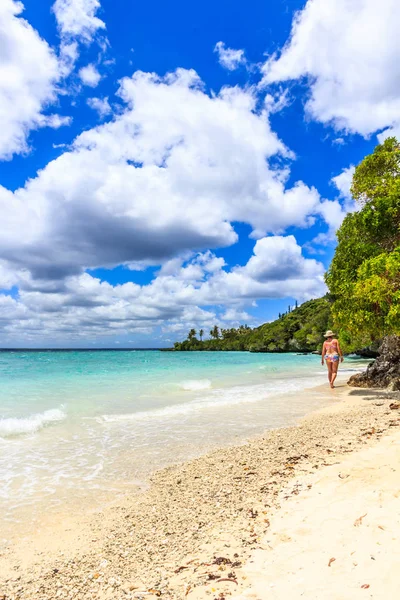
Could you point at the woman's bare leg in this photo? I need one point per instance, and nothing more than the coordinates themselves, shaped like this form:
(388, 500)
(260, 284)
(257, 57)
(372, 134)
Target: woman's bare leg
(329, 365)
(335, 366)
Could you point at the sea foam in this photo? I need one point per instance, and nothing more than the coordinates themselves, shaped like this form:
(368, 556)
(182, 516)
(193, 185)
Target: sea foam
(13, 426)
(192, 385)
(213, 400)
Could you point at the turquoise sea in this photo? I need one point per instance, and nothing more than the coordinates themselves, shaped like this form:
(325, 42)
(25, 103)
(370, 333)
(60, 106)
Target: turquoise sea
(89, 425)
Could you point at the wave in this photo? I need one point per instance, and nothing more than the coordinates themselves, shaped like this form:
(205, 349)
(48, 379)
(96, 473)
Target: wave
(13, 426)
(192, 385)
(217, 398)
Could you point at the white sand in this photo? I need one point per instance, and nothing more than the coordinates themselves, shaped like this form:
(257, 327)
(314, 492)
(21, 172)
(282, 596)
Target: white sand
(341, 539)
(258, 521)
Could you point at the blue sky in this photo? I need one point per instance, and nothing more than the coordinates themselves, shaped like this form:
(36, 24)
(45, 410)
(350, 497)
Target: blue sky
(168, 166)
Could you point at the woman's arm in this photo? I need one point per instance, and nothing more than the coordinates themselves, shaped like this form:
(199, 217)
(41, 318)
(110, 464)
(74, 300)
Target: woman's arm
(340, 351)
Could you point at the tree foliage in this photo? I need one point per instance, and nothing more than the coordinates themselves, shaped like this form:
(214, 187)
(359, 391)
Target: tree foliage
(300, 330)
(364, 276)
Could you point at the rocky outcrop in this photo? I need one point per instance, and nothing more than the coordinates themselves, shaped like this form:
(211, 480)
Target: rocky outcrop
(371, 351)
(385, 371)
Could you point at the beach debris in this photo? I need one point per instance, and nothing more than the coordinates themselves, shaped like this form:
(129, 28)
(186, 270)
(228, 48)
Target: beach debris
(155, 592)
(369, 432)
(380, 527)
(358, 521)
(394, 405)
(187, 590)
(365, 586)
(253, 514)
(343, 476)
(331, 560)
(221, 560)
(227, 579)
(179, 569)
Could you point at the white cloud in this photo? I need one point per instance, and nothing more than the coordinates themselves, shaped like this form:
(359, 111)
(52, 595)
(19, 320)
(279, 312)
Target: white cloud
(101, 105)
(69, 54)
(29, 73)
(236, 316)
(343, 182)
(89, 75)
(154, 182)
(390, 132)
(54, 121)
(349, 50)
(8, 277)
(77, 18)
(78, 23)
(227, 57)
(334, 211)
(176, 299)
(277, 269)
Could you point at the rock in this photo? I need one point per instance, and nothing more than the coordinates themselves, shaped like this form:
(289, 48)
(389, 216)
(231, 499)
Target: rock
(371, 351)
(384, 372)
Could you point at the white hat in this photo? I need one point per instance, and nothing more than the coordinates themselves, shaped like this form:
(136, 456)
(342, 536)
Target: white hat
(329, 333)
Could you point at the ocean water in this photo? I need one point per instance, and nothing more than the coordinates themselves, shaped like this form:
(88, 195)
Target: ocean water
(88, 426)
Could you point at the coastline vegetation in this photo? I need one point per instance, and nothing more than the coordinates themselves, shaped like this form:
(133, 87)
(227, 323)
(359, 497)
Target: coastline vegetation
(297, 330)
(364, 276)
(363, 305)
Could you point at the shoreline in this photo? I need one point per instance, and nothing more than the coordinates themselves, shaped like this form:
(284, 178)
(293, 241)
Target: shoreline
(300, 403)
(217, 506)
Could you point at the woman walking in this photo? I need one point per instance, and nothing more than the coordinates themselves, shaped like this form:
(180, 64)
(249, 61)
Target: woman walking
(331, 353)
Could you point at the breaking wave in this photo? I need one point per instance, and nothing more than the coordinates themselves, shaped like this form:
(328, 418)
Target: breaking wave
(13, 426)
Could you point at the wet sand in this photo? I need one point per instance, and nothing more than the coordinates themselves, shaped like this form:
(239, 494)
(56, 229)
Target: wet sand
(221, 526)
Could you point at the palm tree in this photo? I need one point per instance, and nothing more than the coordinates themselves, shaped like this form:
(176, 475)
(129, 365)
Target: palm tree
(192, 334)
(215, 332)
(201, 333)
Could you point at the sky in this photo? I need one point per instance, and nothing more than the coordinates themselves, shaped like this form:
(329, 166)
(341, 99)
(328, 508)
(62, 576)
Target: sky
(173, 165)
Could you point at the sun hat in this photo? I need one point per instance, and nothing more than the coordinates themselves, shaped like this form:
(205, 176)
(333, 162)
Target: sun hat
(329, 333)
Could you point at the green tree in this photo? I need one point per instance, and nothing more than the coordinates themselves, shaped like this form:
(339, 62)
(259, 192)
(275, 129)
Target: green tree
(191, 334)
(300, 330)
(364, 276)
(215, 332)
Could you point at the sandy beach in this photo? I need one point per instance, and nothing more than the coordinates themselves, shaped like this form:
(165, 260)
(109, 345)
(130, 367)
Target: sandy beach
(310, 511)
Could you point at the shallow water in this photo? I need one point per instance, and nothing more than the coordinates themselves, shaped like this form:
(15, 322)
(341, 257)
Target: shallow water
(89, 425)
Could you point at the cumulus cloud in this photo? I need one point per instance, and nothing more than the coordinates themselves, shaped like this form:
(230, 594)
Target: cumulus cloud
(181, 296)
(77, 23)
(78, 18)
(101, 105)
(29, 73)
(334, 211)
(154, 182)
(89, 75)
(349, 52)
(228, 58)
(343, 183)
(277, 269)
